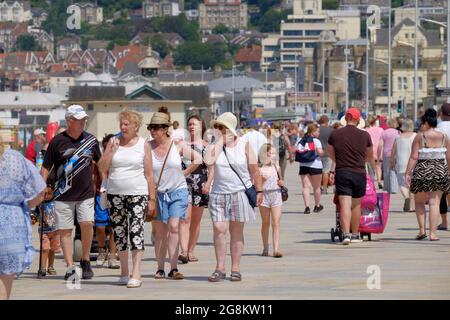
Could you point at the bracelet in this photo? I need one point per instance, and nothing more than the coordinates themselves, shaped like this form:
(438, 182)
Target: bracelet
(331, 172)
(259, 192)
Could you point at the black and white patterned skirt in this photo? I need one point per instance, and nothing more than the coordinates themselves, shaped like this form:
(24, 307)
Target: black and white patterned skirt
(430, 175)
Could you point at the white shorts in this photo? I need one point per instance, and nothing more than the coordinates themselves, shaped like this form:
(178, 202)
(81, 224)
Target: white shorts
(65, 213)
(272, 199)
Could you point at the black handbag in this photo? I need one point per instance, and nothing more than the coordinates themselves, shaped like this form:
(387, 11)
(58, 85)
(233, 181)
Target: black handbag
(284, 190)
(250, 192)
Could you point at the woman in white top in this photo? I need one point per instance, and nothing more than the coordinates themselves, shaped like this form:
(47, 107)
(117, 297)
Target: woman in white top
(228, 202)
(127, 162)
(311, 172)
(173, 194)
(399, 160)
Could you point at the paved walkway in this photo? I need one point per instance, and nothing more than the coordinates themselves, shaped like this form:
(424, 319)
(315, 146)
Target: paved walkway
(312, 267)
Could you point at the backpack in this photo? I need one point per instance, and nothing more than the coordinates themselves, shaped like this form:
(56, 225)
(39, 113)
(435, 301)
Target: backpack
(306, 150)
(281, 147)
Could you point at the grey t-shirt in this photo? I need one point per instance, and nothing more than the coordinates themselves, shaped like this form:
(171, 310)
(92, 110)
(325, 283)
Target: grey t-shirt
(324, 135)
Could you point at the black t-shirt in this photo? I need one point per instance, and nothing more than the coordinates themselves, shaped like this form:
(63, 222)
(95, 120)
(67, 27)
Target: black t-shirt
(71, 160)
(350, 147)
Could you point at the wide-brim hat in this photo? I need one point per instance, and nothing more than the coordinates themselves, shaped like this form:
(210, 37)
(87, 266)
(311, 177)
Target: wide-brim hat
(228, 120)
(361, 124)
(160, 118)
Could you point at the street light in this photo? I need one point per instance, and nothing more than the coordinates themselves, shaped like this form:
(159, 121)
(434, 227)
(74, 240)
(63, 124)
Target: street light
(367, 86)
(323, 92)
(346, 88)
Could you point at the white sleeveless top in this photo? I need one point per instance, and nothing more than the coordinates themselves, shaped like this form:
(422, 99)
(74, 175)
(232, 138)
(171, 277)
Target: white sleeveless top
(126, 175)
(172, 178)
(225, 180)
(404, 146)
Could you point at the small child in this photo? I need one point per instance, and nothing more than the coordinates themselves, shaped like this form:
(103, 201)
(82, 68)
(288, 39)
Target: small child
(270, 208)
(102, 220)
(50, 237)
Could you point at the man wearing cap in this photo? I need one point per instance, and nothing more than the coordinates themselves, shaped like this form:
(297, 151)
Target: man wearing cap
(444, 127)
(70, 157)
(350, 148)
(36, 145)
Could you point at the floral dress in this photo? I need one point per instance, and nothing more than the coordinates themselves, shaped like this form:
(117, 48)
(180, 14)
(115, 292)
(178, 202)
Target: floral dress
(19, 182)
(197, 179)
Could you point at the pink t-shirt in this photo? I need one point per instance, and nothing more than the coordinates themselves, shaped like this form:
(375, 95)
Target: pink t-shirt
(375, 135)
(388, 137)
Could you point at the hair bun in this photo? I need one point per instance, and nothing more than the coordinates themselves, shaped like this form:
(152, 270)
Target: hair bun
(164, 109)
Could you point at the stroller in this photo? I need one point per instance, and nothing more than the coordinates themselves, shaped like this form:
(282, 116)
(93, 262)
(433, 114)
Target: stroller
(374, 215)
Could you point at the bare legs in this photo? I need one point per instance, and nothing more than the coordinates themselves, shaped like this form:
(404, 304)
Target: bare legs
(6, 282)
(314, 181)
(194, 231)
(266, 214)
(236, 244)
(136, 257)
(350, 214)
(167, 241)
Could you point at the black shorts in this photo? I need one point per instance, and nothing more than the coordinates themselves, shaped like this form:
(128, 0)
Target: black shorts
(310, 171)
(350, 184)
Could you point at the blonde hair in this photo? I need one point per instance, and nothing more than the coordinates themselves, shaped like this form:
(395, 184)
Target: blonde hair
(392, 123)
(311, 129)
(265, 148)
(371, 120)
(132, 116)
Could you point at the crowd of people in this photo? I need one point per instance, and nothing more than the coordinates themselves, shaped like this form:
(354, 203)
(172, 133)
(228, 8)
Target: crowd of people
(169, 178)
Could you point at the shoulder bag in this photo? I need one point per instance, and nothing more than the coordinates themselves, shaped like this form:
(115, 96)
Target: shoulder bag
(284, 190)
(250, 192)
(154, 214)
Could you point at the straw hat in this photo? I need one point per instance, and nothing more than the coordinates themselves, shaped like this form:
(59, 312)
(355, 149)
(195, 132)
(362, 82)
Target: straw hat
(228, 120)
(160, 118)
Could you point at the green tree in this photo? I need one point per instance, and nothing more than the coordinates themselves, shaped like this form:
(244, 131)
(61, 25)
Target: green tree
(26, 42)
(271, 20)
(330, 4)
(221, 29)
(199, 54)
(160, 45)
(188, 30)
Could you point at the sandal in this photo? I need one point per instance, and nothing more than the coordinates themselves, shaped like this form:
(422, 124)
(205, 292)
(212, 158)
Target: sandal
(175, 275)
(183, 259)
(421, 236)
(441, 227)
(216, 276)
(192, 258)
(160, 274)
(236, 276)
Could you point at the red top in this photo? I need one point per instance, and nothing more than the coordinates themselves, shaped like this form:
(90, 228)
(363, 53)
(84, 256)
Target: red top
(30, 152)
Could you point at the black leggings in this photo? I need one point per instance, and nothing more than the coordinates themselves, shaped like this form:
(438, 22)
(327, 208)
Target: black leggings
(443, 203)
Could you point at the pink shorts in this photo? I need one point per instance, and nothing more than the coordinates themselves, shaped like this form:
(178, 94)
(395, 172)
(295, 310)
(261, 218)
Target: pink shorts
(51, 241)
(272, 199)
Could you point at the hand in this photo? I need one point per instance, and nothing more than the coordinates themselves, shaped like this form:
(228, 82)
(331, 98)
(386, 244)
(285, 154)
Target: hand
(151, 206)
(259, 199)
(185, 173)
(206, 188)
(113, 145)
(331, 178)
(280, 183)
(407, 180)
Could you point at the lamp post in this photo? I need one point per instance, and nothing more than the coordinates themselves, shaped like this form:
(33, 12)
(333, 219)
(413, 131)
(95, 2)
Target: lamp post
(346, 87)
(389, 62)
(416, 62)
(232, 88)
(346, 53)
(323, 93)
(367, 87)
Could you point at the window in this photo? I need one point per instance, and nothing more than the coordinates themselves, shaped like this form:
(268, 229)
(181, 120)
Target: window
(290, 57)
(399, 83)
(291, 45)
(310, 45)
(405, 83)
(271, 48)
(90, 107)
(313, 32)
(406, 35)
(292, 32)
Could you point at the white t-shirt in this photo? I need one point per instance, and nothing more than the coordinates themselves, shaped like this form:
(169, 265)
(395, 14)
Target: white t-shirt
(256, 140)
(317, 163)
(444, 127)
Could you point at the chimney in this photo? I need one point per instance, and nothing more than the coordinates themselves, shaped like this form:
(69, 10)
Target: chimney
(187, 69)
(217, 71)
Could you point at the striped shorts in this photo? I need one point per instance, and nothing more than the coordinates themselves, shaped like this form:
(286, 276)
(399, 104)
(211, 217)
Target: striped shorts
(230, 207)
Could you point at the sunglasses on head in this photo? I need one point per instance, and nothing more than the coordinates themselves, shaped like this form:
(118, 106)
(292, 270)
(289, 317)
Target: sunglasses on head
(155, 126)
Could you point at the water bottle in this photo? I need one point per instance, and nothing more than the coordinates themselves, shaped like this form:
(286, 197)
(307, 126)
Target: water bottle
(39, 161)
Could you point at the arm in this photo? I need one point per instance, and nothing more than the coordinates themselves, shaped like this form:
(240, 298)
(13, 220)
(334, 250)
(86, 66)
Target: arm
(370, 159)
(196, 158)
(254, 172)
(212, 152)
(280, 181)
(413, 159)
(207, 185)
(393, 156)
(105, 162)
(380, 150)
(332, 156)
(447, 143)
(148, 172)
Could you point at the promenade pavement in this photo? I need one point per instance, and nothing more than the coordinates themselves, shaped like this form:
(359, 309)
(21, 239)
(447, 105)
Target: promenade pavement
(312, 267)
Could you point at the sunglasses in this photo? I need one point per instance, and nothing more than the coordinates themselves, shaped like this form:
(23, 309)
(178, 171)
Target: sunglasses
(155, 127)
(219, 127)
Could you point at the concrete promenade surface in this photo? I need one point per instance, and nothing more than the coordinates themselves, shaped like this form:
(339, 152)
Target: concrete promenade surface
(312, 267)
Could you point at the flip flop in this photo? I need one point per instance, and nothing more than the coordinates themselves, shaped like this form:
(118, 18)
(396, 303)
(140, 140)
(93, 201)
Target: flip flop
(421, 236)
(160, 274)
(192, 258)
(435, 239)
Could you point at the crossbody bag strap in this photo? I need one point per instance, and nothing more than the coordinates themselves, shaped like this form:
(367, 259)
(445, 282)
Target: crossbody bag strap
(279, 178)
(164, 164)
(226, 156)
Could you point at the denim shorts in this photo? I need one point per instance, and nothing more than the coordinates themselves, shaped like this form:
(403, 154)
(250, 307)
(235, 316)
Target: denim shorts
(172, 204)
